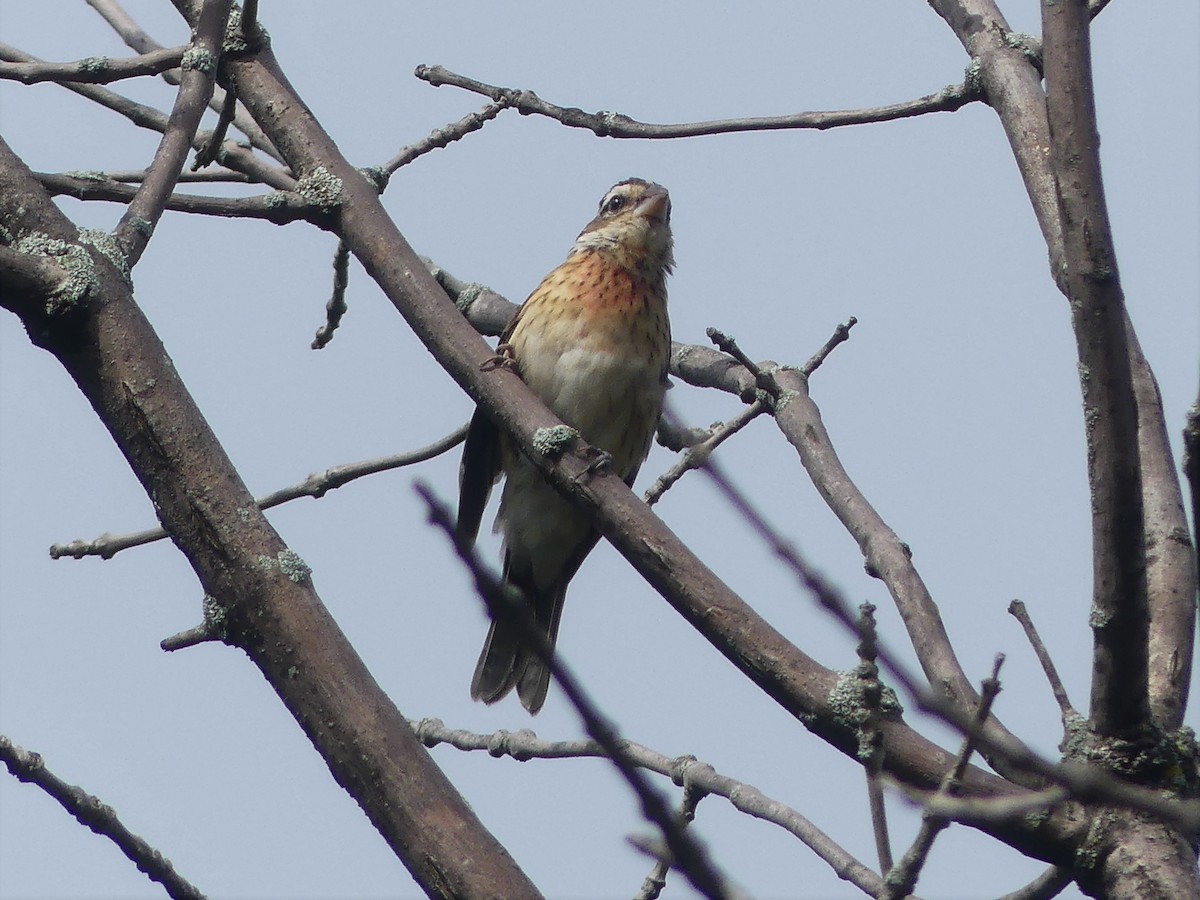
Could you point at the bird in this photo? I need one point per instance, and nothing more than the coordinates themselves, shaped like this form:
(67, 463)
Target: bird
(593, 341)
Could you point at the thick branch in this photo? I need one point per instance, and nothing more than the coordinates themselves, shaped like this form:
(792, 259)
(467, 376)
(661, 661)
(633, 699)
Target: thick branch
(272, 610)
(1120, 611)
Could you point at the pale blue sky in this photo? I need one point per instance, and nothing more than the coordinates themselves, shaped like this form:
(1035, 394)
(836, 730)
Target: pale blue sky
(954, 406)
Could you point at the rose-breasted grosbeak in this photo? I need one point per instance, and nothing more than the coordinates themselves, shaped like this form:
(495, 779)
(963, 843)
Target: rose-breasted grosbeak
(593, 341)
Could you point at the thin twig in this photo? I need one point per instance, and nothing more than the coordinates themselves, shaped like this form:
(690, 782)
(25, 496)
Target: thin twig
(708, 441)
(316, 485)
(505, 603)
(616, 125)
(902, 878)
(94, 69)
(654, 883)
(871, 740)
(683, 770)
(1018, 611)
(698, 453)
(278, 207)
(840, 335)
(1046, 886)
(207, 155)
(97, 816)
(442, 137)
(336, 307)
(148, 117)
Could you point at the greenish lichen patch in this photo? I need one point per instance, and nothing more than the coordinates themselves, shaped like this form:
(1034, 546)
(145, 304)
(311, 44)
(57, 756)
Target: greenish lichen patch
(850, 707)
(214, 616)
(109, 247)
(73, 259)
(467, 296)
(234, 42)
(94, 64)
(321, 188)
(973, 77)
(199, 59)
(87, 175)
(275, 200)
(291, 565)
(553, 442)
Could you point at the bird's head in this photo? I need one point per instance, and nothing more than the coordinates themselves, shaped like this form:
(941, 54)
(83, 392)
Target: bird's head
(633, 225)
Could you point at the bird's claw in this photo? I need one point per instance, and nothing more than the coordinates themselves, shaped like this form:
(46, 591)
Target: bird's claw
(601, 461)
(503, 358)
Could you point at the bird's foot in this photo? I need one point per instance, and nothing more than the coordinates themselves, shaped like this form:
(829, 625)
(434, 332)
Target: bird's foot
(600, 461)
(503, 358)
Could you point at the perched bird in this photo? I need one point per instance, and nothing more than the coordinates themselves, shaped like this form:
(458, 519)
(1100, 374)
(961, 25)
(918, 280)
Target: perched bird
(593, 341)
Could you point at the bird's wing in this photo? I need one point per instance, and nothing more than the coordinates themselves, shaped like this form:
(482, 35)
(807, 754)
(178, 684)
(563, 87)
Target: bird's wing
(479, 471)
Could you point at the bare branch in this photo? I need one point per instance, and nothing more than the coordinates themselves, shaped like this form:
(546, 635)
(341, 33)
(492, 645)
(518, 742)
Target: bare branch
(94, 69)
(143, 116)
(504, 603)
(316, 485)
(336, 307)
(657, 879)
(1046, 886)
(1120, 705)
(903, 878)
(444, 136)
(195, 89)
(697, 454)
(207, 154)
(136, 38)
(1018, 611)
(872, 739)
(28, 278)
(278, 207)
(683, 770)
(274, 612)
(616, 125)
(97, 816)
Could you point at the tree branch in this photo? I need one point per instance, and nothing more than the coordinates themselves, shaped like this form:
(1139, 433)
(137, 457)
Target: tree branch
(683, 770)
(195, 89)
(94, 69)
(97, 816)
(616, 125)
(316, 485)
(137, 39)
(272, 609)
(1120, 704)
(277, 207)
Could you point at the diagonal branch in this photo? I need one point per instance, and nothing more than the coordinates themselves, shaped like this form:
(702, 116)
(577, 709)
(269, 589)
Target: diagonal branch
(272, 609)
(195, 89)
(137, 39)
(99, 817)
(616, 125)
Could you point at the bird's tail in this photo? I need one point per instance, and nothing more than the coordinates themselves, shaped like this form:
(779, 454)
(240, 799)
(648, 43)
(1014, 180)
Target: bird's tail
(506, 661)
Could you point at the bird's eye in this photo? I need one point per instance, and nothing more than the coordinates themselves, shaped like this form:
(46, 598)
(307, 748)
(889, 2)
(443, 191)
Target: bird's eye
(614, 204)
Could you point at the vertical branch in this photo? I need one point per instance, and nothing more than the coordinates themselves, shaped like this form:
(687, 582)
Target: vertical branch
(1120, 611)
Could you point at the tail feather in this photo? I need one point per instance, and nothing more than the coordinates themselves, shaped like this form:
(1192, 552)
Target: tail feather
(506, 661)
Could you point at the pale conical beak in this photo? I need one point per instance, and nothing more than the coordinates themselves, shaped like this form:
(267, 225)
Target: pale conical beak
(656, 204)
